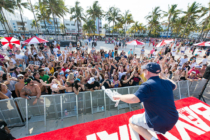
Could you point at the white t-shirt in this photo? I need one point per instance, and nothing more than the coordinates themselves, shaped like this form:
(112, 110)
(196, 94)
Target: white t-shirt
(204, 61)
(183, 60)
(40, 57)
(121, 74)
(55, 50)
(18, 56)
(183, 48)
(193, 65)
(55, 43)
(13, 60)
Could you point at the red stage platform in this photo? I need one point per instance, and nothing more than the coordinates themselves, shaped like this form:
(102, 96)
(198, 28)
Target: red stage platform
(193, 124)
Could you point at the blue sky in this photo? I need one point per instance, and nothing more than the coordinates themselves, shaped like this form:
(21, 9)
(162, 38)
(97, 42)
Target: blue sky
(139, 8)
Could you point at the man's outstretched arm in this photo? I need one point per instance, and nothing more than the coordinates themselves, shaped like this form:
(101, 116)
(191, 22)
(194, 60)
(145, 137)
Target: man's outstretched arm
(130, 98)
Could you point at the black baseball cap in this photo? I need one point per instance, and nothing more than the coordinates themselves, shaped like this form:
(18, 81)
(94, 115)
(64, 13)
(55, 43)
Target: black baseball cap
(152, 67)
(27, 81)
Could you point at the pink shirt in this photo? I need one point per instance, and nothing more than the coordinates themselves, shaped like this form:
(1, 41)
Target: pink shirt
(151, 52)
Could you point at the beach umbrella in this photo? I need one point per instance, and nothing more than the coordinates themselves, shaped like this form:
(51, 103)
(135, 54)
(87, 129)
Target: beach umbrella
(135, 42)
(202, 44)
(34, 40)
(9, 41)
(164, 42)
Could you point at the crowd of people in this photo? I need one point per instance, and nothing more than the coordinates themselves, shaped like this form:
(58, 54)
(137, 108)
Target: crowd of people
(46, 69)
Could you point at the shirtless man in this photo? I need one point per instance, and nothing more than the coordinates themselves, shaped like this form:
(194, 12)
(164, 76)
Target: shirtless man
(38, 82)
(30, 89)
(202, 70)
(19, 85)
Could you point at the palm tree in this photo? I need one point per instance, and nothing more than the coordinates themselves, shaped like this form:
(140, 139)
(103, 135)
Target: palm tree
(63, 28)
(55, 8)
(32, 9)
(34, 24)
(89, 27)
(205, 11)
(153, 18)
(108, 17)
(106, 26)
(77, 15)
(42, 14)
(141, 27)
(127, 19)
(9, 6)
(135, 27)
(170, 13)
(20, 5)
(115, 16)
(2, 21)
(178, 25)
(95, 12)
(192, 12)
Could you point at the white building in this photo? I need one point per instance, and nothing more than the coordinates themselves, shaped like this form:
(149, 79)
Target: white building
(14, 21)
(72, 28)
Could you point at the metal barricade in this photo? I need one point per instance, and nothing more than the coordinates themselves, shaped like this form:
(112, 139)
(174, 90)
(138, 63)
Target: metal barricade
(123, 91)
(67, 106)
(206, 93)
(184, 89)
(196, 87)
(84, 102)
(176, 92)
(97, 101)
(135, 106)
(9, 113)
(110, 105)
(32, 113)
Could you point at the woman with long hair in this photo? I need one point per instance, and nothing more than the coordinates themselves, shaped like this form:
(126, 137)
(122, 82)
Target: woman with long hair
(30, 59)
(11, 67)
(16, 72)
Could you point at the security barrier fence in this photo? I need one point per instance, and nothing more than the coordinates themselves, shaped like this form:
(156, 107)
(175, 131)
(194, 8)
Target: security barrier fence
(67, 105)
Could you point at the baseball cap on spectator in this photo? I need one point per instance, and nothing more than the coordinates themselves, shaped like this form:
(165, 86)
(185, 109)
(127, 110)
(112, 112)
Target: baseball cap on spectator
(193, 72)
(197, 66)
(152, 67)
(40, 70)
(20, 75)
(27, 81)
(179, 68)
(67, 70)
(92, 79)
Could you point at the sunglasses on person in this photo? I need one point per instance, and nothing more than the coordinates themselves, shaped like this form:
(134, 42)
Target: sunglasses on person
(20, 77)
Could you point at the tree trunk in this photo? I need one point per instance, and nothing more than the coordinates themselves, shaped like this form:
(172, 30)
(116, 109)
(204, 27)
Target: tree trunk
(54, 24)
(99, 28)
(64, 26)
(78, 30)
(6, 22)
(186, 26)
(169, 21)
(206, 35)
(109, 29)
(46, 27)
(57, 25)
(37, 29)
(3, 25)
(113, 31)
(22, 21)
(202, 29)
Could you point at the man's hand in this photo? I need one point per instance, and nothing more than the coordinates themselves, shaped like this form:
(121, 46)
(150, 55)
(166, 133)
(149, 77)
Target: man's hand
(35, 101)
(116, 97)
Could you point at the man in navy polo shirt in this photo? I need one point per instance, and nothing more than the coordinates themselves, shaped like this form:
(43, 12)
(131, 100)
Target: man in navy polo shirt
(157, 96)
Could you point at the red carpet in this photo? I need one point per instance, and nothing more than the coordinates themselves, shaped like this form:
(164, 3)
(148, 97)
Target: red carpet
(194, 124)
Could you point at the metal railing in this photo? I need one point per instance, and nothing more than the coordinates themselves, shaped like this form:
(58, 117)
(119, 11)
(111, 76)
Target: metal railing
(67, 105)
